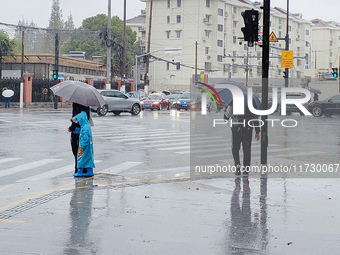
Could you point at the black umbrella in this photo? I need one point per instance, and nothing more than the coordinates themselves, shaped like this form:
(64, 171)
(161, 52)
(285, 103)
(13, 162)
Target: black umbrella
(227, 96)
(316, 91)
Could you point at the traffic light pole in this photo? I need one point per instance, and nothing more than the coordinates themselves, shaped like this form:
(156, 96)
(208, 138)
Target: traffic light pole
(287, 45)
(265, 71)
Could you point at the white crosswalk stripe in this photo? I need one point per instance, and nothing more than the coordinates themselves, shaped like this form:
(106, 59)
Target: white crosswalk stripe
(120, 167)
(7, 160)
(27, 166)
(51, 173)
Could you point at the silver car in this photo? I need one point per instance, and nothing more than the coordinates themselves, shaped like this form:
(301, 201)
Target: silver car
(117, 102)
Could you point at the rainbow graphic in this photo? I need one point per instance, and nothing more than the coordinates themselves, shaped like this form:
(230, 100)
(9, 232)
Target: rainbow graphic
(209, 93)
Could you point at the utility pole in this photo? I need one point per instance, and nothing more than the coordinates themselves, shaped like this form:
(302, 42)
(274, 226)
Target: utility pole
(265, 71)
(287, 45)
(196, 62)
(21, 103)
(146, 78)
(108, 50)
(56, 66)
(124, 51)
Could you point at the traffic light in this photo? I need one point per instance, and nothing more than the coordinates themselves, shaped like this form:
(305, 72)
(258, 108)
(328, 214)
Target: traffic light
(335, 72)
(251, 28)
(55, 74)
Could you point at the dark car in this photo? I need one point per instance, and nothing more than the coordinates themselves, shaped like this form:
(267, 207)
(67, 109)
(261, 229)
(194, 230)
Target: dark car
(189, 101)
(290, 108)
(117, 102)
(328, 107)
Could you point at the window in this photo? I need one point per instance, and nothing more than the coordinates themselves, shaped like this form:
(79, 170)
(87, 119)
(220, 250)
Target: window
(220, 12)
(167, 65)
(234, 24)
(219, 58)
(178, 66)
(234, 10)
(331, 43)
(168, 3)
(298, 62)
(178, 34)
(179, 3)
(207, 66)
(207, 33)
(307, 32)
(219, 43)
(178, 18)
(207, 3)
(168, 19)
(168, 34)
(234, 39)
(206, 50)
(220, 27)
(330, 54)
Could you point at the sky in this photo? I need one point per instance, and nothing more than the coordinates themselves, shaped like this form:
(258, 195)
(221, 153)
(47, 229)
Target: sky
(12, 11)
(40, 10)
(327, 10)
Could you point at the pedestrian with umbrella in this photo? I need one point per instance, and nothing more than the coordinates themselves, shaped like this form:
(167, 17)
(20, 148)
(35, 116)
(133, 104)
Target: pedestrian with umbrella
(7, 94)
(82, 96)
(242, 127)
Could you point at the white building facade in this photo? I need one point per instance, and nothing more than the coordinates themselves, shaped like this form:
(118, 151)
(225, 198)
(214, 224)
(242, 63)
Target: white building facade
(215, 26)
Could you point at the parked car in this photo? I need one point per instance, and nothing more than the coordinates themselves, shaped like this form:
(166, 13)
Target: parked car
(156, 101)
(189, 100)
(117, 102)
(173, 99)
(328, 107)
(136, 94)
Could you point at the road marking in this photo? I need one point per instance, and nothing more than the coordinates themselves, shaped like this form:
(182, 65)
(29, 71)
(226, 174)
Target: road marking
(5, 187)
(52, 173)
(120, 167)
(174, 140)
(12, 221)
(145, 137)
(27, 166)
(6, 160)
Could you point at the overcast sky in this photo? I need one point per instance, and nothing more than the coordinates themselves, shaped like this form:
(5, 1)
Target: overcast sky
(40, 10)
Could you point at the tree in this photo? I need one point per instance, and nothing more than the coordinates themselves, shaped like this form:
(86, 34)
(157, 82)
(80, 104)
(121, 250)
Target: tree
(90, 42)
(7, 47)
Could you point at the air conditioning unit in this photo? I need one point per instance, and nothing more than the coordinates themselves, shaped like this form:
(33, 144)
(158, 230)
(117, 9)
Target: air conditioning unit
(204, 38)
(205, 20)
(225, 14)
(208, 57)
(234, 31)
(234, 15)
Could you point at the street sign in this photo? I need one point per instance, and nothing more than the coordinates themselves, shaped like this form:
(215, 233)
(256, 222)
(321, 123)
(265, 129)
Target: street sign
(287, 59)
(273, 38)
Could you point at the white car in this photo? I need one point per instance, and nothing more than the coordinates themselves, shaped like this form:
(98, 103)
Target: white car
(117, 102)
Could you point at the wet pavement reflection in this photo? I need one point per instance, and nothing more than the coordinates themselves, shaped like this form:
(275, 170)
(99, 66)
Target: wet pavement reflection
(80, 213)
(248, 233)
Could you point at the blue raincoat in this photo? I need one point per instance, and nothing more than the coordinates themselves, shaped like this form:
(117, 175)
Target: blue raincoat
(85, 152)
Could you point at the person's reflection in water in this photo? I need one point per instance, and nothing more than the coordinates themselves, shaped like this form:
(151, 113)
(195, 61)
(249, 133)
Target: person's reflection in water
(246, 236)
(80, 212)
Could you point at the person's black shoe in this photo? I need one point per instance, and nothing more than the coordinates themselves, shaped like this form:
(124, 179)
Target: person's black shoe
(238, 170)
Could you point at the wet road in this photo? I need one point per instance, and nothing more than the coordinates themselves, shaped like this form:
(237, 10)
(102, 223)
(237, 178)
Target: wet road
(142, 200)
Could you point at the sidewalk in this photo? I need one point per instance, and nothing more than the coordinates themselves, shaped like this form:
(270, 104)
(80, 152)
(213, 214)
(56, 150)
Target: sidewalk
(110, 214)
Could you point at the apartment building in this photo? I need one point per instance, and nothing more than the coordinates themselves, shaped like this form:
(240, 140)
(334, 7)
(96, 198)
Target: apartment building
(215, 25)
(326, 44)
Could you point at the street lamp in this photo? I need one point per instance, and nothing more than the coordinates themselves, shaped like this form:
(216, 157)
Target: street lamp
(136, 73)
